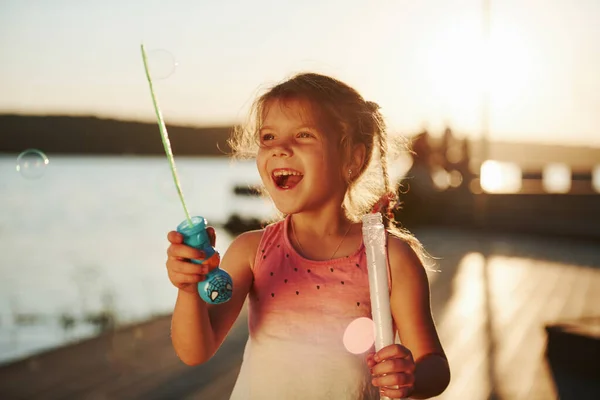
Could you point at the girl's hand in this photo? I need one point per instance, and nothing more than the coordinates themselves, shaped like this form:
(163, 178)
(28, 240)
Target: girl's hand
(183, 274)
(393, 370)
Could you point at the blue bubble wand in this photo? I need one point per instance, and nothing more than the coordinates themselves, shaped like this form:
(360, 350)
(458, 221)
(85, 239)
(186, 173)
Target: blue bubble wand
(218, 286)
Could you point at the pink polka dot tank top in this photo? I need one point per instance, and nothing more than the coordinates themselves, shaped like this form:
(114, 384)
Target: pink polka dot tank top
(299, 310)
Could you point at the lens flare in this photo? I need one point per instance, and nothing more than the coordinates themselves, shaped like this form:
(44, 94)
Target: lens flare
(359, 335)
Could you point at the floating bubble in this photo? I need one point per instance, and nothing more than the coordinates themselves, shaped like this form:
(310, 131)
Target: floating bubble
(359, 335)
(32, 163)
(161, 64)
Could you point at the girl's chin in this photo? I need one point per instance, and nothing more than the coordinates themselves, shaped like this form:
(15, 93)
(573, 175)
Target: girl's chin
(286, 206)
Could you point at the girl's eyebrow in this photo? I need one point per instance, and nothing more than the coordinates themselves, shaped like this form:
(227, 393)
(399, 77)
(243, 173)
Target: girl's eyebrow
(309, 127)
(299, 128)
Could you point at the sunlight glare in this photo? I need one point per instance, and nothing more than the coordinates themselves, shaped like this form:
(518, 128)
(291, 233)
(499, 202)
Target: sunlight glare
(557, 178)
(468, 282)
(441, 178)
(500, 177)
(456, 178)
(596, 178)
(459, 67)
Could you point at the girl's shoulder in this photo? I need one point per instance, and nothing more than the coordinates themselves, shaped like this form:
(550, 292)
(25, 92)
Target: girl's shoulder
(405, 258)
(245, 246)
(253, 238)
(405, 247)
(250, 238)
(402, 250)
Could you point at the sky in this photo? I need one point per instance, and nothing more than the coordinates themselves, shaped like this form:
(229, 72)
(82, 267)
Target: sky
(425, 62)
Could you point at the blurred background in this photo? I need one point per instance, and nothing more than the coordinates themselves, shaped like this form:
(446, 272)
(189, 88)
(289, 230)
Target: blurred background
(499, 100)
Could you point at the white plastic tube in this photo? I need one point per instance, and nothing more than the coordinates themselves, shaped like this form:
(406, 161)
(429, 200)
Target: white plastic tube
(374, 238)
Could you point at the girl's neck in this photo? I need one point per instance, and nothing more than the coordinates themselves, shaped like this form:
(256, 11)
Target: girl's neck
(321, 238)
(321, 225)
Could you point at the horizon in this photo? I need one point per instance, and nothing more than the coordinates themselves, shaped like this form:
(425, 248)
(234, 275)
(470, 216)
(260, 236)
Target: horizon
(434, 135)
(424, 63)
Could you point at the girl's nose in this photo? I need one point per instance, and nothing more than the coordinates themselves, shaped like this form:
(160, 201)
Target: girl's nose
(282, 149)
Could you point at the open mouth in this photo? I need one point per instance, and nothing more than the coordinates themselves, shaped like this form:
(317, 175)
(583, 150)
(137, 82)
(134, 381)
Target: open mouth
(285, 178)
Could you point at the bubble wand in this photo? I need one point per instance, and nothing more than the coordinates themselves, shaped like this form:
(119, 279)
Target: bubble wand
(217, 286)
(374, 238)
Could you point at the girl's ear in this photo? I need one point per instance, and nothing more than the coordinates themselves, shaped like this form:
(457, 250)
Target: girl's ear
(356, 162)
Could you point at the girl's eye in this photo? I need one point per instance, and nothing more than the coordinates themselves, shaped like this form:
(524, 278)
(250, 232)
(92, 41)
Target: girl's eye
(305, 135)
(266, 137)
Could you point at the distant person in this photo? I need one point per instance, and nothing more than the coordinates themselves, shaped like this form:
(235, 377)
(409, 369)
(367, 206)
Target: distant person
(419, 177)
(463, 166)
(419, 191)
(421, 149)
(315, 140)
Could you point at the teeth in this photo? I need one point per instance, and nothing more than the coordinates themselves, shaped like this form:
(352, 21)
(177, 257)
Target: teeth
(286, 173)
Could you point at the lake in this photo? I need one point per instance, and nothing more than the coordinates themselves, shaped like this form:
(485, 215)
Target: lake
(89, 235)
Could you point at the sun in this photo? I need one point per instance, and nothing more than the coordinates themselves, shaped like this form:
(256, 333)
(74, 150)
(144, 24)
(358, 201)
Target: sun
(459, 67)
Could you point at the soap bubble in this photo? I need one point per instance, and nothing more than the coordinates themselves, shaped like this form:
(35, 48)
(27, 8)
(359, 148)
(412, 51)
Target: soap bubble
(32, 163)
(161, 64)
(359, 335)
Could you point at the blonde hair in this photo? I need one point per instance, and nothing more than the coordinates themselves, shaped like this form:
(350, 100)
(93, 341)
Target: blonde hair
(338, 110)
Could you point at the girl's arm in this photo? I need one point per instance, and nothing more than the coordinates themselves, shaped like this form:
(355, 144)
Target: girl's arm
(197, 328)
(411, 311)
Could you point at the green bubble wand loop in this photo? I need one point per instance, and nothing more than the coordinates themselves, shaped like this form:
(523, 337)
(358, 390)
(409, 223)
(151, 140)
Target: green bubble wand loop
(165, 137)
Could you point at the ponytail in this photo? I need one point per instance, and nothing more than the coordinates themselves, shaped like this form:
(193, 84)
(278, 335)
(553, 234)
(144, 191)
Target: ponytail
(388, 202)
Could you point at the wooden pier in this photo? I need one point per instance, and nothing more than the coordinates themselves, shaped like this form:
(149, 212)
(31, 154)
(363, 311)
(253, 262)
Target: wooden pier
(492, 301)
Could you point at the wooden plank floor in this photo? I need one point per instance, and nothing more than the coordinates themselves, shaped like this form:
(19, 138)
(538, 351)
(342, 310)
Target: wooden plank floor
(491, 301)
(137, 362)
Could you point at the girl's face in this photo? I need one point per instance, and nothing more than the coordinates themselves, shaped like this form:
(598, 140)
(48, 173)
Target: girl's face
(298, 163)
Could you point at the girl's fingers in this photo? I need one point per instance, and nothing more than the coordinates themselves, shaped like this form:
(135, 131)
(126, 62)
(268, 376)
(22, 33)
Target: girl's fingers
(179, 278)
(185, 267)
(400, 393)
(393, 365)
(392, 351)
(210, 231)
(397, 379)
(175, 237)
(185, 251)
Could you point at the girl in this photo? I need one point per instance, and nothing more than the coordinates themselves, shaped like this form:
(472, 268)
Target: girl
(321, 151)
